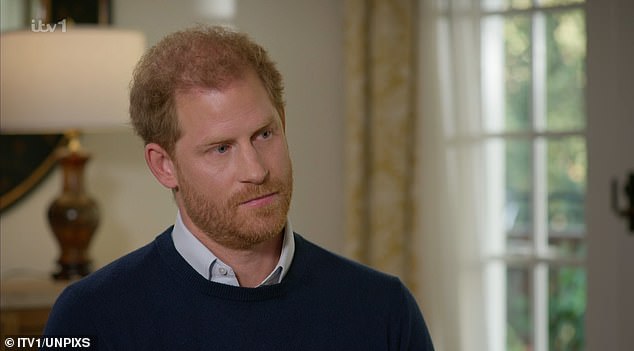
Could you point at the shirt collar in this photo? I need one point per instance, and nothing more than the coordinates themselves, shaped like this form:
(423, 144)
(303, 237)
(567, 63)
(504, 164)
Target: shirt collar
(201, 258)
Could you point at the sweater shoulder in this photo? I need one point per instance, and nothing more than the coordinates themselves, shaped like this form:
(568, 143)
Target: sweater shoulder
(119, 283)
(127, 270)
(339, 269)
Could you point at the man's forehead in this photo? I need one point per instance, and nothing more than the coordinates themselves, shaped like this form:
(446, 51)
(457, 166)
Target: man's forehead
(204, 104)
(215, 82)
(190, 92)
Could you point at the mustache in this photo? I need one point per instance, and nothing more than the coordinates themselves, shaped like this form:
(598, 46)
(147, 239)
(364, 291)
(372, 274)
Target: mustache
(252, 191)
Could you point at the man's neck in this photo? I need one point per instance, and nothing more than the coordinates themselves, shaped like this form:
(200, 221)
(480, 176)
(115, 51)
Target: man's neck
(252, 265)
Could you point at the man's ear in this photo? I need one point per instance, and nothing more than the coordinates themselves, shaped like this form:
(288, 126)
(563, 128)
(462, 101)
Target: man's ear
(161, 165)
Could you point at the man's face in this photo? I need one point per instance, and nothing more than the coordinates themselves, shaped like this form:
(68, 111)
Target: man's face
(233, 168)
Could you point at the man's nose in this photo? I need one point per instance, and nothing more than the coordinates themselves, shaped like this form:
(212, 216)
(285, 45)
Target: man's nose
(252, 168)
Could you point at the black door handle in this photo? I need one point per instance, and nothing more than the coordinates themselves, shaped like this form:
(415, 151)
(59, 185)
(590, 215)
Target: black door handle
(628, 212)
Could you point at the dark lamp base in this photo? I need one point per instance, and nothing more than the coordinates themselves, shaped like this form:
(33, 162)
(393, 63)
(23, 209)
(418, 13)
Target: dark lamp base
(73, 217)
(72, 271)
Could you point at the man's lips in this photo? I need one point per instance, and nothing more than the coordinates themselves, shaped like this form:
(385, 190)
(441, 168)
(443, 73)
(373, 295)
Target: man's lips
(260, 200)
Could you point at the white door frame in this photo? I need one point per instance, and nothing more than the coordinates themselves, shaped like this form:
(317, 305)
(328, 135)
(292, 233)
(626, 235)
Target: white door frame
(610, 106)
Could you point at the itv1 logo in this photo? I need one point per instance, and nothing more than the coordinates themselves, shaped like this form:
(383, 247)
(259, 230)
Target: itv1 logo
(40, 27)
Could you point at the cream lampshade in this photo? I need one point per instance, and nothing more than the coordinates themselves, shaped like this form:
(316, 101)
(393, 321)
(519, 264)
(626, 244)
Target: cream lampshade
(66, 82)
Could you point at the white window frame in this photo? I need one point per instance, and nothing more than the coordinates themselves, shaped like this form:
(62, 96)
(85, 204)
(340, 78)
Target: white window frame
(539, 258)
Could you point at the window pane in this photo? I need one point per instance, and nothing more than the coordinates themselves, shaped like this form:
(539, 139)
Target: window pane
(517, 47)
(567, 246)
(566, 186)
(502, 5)
(546, 3)
(519, 334)
(566, 308)
(519, 215)
(566, 51)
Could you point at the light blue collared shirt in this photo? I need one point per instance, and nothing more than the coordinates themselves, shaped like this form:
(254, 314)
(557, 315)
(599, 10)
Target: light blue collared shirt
(212, 268)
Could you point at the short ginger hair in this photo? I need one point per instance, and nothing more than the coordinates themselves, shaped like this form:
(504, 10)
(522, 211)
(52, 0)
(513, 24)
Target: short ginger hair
(207, 57)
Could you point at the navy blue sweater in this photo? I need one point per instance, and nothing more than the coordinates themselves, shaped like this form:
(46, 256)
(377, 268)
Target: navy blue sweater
(151, 299)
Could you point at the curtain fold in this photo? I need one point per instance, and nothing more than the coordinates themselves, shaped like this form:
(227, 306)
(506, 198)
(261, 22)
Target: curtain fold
(380, 119)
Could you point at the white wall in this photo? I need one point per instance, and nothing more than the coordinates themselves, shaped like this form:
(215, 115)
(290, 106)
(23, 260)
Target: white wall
(306, 40)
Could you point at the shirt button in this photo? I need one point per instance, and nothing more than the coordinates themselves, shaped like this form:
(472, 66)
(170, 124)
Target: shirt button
(222, 270)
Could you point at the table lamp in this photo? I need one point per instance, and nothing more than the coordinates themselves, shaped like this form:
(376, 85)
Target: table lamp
(68, 82)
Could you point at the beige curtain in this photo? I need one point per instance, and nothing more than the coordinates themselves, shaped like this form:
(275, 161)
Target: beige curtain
(381, 114)
(421, 191)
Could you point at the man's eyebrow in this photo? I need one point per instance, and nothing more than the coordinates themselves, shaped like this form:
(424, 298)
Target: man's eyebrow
(212, 140)
(267, 122)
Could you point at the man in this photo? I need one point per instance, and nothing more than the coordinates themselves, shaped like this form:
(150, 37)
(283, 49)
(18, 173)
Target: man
(230, 274)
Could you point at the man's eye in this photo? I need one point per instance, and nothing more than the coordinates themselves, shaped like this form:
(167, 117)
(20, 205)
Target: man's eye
(267, 134)
(222, 149)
